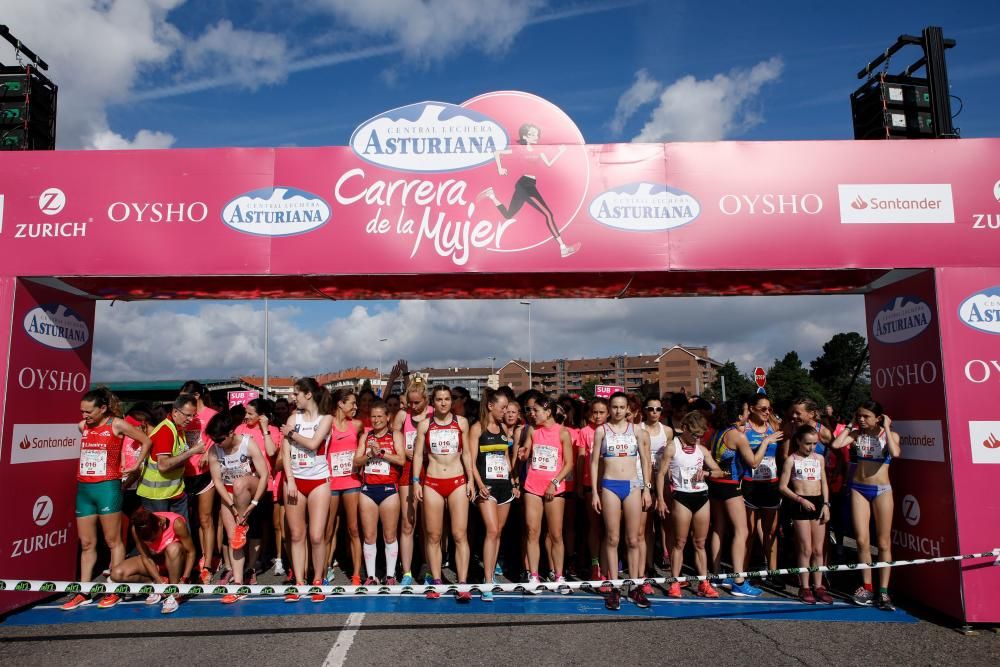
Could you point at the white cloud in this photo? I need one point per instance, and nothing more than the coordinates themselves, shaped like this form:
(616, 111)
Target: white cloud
(433, 29)
(246, 58)
(149, 340)
(690, 109)
(643, 91)
(108, 140)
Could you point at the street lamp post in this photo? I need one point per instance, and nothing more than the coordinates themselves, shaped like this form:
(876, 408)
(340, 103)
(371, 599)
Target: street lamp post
(382, 390)
(493, 360)
(531, 384)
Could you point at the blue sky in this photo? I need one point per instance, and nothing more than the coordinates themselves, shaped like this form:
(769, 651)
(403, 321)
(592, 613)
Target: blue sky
(210, 73)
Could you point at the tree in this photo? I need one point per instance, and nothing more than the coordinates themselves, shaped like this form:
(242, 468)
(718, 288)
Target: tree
(738, 385)
(844, 371)
(587, 390)
(788, 380)
(366, 386)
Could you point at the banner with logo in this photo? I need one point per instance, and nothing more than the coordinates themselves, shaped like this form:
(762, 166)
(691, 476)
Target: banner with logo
(605, 390)
(907, 379)
(501, 183)
(242, 397)
(970, 330)
(51, 341)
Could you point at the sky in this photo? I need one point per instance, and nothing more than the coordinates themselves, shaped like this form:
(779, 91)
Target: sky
(214, 73)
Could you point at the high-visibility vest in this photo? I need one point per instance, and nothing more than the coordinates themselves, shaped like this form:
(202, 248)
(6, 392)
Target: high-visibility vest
(156, 485)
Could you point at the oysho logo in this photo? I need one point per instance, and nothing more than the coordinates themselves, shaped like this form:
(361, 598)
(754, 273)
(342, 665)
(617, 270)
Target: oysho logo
(121, 211)
(771, 204)
(644, 207)
(429, 137)
(57, 326)
(279, 211)
(982, 310)
(904, 375)
(52, 201)
(979, 371)
(42, 511)
(45, 442)
(52, 380)
(920, 439)
(901, 319)
(911, 510)
(984, 438)
(927, 203)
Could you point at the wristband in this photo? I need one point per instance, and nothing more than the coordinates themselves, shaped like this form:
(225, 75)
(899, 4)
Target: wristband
(416, 480)
(254, 502)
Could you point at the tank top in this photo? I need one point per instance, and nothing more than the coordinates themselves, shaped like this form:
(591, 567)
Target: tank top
(807, 469)
(306, 463)
(656, 443)
(410, 429)
(237, 463)
(684, 465)
(167, 536)
(378, 470)
(442, 440)
(619, 444)
(100, 454)
(492, 462)
(872, 448)
(273, 480)
(547, 454)
(728, 459)
(340, 451)
(767, 471)
(194, 433)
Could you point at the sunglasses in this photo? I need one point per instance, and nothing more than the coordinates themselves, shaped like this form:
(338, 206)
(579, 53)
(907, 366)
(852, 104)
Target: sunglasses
(762, 409)
(653, 409)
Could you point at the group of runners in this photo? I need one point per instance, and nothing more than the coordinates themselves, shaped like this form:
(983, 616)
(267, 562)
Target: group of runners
(642, 482)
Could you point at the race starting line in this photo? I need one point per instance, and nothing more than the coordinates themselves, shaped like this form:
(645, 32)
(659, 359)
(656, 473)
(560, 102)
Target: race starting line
(774, 609)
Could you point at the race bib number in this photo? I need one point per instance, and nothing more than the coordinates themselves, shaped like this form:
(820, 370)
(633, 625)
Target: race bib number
(544, 457)
(619, 444)
(93, 463)
(341, 464)
(192, 438)
(869, 447)
(687, 474)
(377, 467)
(302, 459)
(411, 438)
(444, 441)
(496, 466)
(808, 470)
(766, 471)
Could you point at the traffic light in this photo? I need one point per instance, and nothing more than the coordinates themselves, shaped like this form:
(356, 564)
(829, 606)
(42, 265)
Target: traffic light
(27, 109)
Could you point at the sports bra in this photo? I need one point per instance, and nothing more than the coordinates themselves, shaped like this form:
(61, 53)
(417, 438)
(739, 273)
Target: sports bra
(619, 444)
(872, 448)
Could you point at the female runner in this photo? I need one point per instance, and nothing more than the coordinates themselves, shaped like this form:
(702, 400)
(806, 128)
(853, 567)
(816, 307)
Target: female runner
(659, 436)
(307, 434)
(447, 479)
(760, 483)
(257, 425)
(382, 457)
(197, 479)
(345, 483)
(166, 554)
(617, 444)
(597, 415)
(405, 425)
(874, 445)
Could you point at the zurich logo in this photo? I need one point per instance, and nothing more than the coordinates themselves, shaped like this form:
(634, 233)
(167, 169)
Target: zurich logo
(429, 137)
(57, 326)
(278, 211)
(901, 319)
(644, 207)
(982, 310)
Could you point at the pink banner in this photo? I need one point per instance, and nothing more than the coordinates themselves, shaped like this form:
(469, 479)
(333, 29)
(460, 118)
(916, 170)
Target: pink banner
(905, 345)
(242, 397)
(49, 370)
(605, 390)
(970, 330)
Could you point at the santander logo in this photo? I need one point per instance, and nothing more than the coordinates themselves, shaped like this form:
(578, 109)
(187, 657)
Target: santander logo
(26, 443)
(859, 204)
(985, 441)
(992, 442)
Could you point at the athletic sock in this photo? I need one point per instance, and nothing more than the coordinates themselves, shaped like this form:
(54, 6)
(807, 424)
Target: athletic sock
(408, 574)
(883, 590)
(391, 556)
(868, 587)
(370, 551)
(595, 561)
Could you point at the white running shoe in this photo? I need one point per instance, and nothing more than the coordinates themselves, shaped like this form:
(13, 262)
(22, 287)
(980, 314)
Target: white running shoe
(170, 605)
(154, 598)
(279, 568)
(531, 588)
(488, 192)
(568, 250)
(561, 586)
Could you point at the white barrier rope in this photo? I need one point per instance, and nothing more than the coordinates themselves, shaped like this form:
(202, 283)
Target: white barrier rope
(332, 590)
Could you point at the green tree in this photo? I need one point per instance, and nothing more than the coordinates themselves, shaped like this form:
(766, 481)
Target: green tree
(366, 386)
(788, 380)
(738, 385)
(844, 371)
(587, 390)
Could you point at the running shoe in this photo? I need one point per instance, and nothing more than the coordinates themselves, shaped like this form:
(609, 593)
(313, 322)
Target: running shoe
(251, 576)
(109, 601)
(227, 576)
(428, 579)
(822, 595)
(239, 536)
(613, 600)
(170, 605)
(806, 595)
(605, 587)
(706, 590)
(407, 580)
(154, 598)
(647, 588)
(289, 578)
(884, 602)
(355, 580)
(371, 581)
(561, 586)
(205, 576)
(485, 594)
(433, 594)
(279, 568)
(498, 571)
(727, 583)
(463, 596)
(638, 597)
(391, 581)
(317, 597)
(568, 250)
(531, 588)
(330, 573)
(745, 590)
(595, 572)
(863, 597)
(77, 601)
(231, 598)
(675, 590)
(292, 597)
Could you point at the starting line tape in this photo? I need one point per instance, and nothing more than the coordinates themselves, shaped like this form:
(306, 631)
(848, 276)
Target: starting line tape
(257, 589)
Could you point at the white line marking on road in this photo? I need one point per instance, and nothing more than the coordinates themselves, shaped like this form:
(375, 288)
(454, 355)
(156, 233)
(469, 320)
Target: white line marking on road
(338, 652)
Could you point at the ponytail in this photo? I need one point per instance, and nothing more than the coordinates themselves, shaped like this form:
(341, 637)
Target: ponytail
(102, 397)
(321, 395)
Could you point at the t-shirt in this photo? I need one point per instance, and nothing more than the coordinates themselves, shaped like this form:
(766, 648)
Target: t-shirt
(163, 443)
